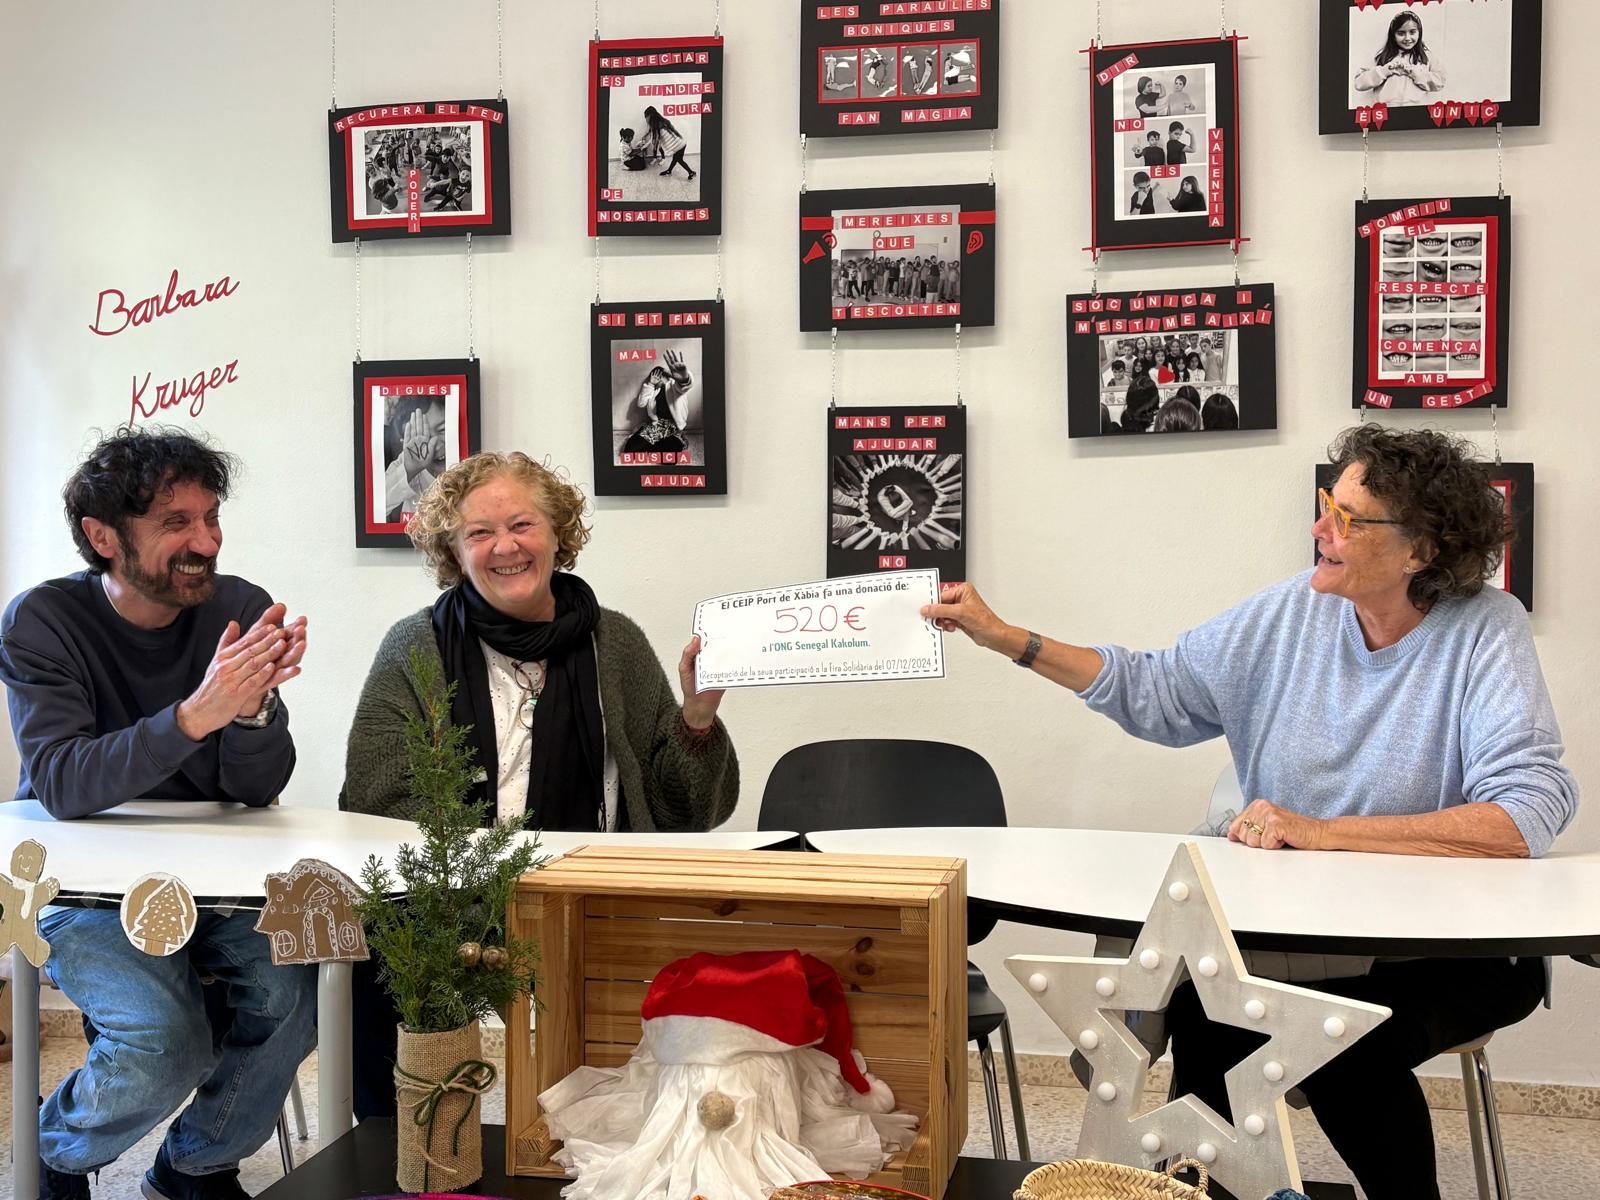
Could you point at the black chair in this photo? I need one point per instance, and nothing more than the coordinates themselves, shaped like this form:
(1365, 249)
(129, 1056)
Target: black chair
(884, 782)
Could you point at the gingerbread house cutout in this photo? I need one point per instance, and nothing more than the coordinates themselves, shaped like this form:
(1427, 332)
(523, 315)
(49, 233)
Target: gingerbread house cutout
(310, 916)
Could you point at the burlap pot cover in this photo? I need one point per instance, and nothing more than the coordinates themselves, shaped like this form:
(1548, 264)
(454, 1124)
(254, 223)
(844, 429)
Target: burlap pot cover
(439, 1078)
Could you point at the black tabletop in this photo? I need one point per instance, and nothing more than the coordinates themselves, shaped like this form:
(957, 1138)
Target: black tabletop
(361, 1163)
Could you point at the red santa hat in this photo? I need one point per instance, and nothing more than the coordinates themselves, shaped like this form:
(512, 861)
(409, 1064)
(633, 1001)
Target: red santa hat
(792, 998)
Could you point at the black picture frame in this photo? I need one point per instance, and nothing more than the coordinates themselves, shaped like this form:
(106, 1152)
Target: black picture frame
(1432, 317)
(897, 490)
(1515, 481)
(447, 174)
(947, 222)
(655, 454)
(1497, 47)
(681, 79)
(400, 389)
(889, 67)
(1184, 94)
(1230, 329)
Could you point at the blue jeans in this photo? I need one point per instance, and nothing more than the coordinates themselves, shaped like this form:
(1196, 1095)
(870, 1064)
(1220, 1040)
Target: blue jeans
(155, 1045)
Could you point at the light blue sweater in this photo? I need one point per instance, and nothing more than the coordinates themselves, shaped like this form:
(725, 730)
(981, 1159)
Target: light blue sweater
(1455, 712)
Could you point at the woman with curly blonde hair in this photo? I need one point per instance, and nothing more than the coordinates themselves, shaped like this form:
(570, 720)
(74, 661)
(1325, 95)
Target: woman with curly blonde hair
(573, 719)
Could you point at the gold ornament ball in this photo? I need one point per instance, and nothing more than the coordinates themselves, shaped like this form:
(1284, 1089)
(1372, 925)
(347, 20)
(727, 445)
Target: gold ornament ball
(494, 958)
(715, 1110)
(469, 953)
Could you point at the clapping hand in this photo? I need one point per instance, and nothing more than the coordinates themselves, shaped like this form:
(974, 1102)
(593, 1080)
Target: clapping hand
(244, 668)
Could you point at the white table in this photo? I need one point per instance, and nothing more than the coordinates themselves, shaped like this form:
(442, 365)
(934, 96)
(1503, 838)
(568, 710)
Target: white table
(1103, 881)
(224, 852)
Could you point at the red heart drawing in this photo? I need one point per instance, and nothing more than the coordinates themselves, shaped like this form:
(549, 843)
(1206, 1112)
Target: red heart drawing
(1436, 111)
(1472, 113)
(1380, 114)
(1491, 111)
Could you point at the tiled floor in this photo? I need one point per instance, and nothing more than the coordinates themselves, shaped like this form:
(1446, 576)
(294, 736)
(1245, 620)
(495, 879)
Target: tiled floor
(1550, 1158)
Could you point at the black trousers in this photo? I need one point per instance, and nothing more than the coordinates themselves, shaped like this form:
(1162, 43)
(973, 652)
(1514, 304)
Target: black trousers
(1367, 1100)
(375, 1034)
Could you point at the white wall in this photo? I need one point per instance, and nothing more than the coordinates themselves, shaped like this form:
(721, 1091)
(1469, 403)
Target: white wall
(190, 134)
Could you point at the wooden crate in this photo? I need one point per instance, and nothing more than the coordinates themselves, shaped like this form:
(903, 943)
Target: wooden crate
(608, 918)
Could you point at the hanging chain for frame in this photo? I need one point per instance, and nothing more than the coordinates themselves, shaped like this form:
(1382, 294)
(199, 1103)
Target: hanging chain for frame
(358, 299)
(597, 20)
(716, 28)
(470, 352)
(1223, 18)
(1235, 262)
(596, 269)
(1362, 419)
(1499, 162)
(1366, 155)
(500, 43)
(1094, 273)
(833, 368)
(333, 54)
(959, 402)
(1099, 38)
(1494, 427)
(991, 157)
(719, 266)
(802, 164)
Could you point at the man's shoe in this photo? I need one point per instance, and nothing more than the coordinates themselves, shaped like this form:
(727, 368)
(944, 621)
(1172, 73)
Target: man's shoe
(162, 1182)
(58, 1185)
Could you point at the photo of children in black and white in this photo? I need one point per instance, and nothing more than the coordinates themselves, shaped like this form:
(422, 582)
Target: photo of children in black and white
(655, 154)
(414, 439)
(445, 158)
(914, 264)
(958, 71)
(1404, 55)
(919, 70)
(1178, 382)
(896, 503)
(880, 72)
(841, 74)
(1429, 333)
(1162, 158)
(938, 75)
(656, 402)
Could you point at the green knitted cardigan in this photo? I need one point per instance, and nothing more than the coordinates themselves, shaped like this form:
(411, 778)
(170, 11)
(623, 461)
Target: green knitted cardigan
(671, 779)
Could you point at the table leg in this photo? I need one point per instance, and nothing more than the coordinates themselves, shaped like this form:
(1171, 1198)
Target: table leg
(334, 1087)
(24, 1076)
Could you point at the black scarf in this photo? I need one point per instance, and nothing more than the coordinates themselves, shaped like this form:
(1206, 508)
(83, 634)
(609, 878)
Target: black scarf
(565, 780)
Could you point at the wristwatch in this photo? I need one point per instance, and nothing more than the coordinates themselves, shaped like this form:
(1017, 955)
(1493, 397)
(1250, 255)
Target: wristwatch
(264, 715)
(1031, 651)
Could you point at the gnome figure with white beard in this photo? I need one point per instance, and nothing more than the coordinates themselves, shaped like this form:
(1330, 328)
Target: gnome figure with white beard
(745, 1080)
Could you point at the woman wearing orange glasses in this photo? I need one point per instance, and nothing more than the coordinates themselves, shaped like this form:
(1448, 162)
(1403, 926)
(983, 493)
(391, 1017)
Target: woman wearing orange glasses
(1383, 701)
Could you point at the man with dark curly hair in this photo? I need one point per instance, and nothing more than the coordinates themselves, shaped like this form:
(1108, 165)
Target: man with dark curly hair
(1385, 701)
(150, 676)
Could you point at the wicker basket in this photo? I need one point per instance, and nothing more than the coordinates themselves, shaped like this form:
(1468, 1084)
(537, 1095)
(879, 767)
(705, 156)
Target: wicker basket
(1085, 1179)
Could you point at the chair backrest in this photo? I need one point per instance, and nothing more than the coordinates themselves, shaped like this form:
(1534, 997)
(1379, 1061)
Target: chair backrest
(871, 783)
(1226, 796)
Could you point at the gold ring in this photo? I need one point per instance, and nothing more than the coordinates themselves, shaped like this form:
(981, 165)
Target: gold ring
(1255, 829)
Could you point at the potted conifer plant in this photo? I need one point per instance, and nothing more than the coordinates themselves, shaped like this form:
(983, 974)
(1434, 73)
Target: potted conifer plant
(437, 923)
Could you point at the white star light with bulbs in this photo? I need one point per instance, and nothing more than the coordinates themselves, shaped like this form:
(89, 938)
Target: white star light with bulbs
(1087, 996)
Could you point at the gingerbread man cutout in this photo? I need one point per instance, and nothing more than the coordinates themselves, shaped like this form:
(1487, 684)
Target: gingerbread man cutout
(22, 895)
